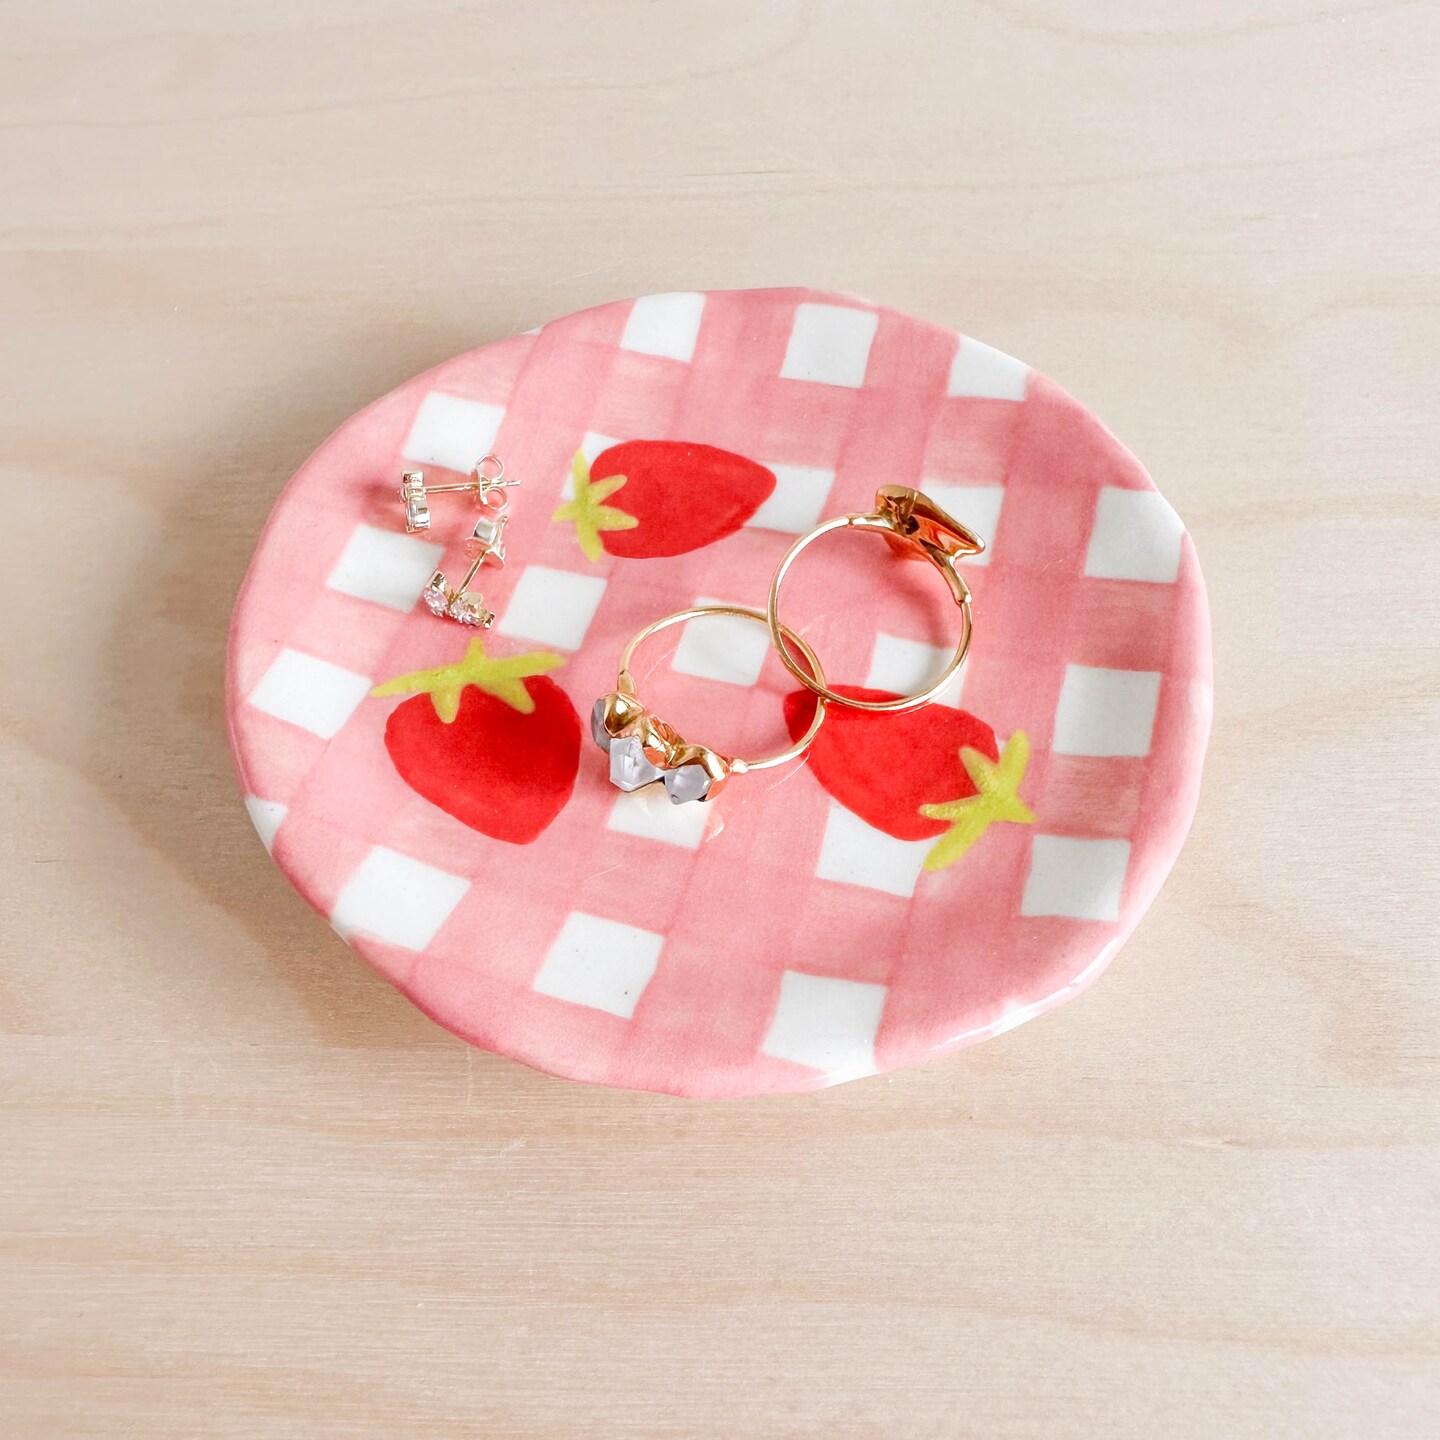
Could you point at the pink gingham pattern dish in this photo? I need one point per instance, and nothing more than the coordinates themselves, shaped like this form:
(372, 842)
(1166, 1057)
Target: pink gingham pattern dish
(771, 941)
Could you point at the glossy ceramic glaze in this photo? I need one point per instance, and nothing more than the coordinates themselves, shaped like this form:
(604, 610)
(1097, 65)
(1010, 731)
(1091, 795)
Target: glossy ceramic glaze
(809, 925)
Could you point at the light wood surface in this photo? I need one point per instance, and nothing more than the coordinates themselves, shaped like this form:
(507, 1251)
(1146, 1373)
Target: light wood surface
(247, 1191)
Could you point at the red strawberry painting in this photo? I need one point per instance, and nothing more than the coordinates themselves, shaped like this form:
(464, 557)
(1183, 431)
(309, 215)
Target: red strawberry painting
(495, 743)
(933, 773)
(646, 498)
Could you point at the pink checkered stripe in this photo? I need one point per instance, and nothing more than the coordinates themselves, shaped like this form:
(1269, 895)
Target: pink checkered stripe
(957, 960)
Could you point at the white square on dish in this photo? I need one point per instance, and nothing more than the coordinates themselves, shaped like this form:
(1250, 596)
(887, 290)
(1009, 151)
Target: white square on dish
(599, 963)
(592, 444)
(906, 666)
(384, 566)
(1136, 537)
(396, 899)
(858, 854)
(266, 816)
(722, 647)
(830, 344)
(650, 814)
(977, 506)
(665, 325)
(552, 606)
(826, 1024)
(987, 373)
(1082, 879)
(309, 692)
(453, 432)
(1106, 712)
(795, 503)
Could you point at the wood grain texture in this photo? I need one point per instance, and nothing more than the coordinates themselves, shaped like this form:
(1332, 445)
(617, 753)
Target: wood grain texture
(247, 1191)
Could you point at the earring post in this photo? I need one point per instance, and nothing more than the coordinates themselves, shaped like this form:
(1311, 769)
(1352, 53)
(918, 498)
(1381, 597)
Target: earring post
(481, 486)
(475, 564)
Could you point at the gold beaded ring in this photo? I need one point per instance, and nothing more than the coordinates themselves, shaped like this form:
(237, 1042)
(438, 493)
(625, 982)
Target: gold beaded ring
(643, 748)
(915, 527)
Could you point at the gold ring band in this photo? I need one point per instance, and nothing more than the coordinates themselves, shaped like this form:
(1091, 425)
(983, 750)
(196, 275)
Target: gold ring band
(644, 748)
(915, 527)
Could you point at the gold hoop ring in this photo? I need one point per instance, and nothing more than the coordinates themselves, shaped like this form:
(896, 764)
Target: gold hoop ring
(915, 527)
(644, 748)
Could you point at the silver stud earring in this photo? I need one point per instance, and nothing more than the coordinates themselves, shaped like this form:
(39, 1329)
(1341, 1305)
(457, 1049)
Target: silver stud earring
(485, 542)
(483, 482)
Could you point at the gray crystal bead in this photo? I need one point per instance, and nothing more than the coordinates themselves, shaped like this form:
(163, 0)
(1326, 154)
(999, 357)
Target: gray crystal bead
(689, 782)
(598, 732)
(629, 767)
